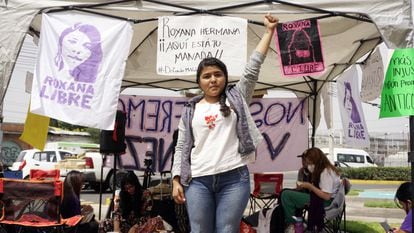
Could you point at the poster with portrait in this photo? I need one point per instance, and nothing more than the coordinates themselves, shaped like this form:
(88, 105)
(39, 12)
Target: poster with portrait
(350, 108)
(183, 41)
(80, 66)
(299, 48)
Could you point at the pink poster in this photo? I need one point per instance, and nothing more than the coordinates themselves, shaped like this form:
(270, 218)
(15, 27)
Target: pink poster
(299, 47)
(151, 121)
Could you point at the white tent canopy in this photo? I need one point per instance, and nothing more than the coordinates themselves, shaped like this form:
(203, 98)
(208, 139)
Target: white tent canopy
(350, 30)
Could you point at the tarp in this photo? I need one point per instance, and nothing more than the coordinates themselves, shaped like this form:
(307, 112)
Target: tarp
(350, 29)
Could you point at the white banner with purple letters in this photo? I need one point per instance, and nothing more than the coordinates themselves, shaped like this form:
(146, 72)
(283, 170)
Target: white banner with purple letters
(151, 121)
(80, 66)
(353, 121)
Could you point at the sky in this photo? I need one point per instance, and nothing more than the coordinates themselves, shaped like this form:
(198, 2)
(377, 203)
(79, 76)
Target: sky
(16, 101)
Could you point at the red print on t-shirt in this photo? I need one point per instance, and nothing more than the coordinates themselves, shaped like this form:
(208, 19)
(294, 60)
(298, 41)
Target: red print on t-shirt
(210, 121)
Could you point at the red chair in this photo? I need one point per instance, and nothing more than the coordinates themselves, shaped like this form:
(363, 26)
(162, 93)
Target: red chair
(37, 174)
(267, 188)
(33, 205)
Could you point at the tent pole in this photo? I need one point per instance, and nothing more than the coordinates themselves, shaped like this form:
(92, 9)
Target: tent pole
(315, 96)
(411, 160)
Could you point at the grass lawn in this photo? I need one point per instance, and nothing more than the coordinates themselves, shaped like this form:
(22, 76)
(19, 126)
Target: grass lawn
(380, 204)
(354, 192)
(364, 227)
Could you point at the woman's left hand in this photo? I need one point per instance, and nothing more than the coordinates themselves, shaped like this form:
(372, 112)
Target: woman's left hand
(271, 21)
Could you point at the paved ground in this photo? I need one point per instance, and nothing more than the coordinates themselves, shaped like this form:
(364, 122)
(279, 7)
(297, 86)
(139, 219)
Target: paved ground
(355, 209)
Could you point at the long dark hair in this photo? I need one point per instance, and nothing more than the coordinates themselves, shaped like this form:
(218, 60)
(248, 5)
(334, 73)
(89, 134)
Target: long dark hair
(129, 203)
(404, 194)
(315, 156)
(72, 185)
(212, 61)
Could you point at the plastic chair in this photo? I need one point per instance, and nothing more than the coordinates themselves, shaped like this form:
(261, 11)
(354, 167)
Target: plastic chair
(37, 174)
(267, 188)
(33, 205)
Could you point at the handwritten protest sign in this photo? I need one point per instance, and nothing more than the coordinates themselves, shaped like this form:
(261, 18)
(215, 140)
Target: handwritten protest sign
(397, 97)
(372, 77)
(151, 121)
(183, 41)
(299, 47)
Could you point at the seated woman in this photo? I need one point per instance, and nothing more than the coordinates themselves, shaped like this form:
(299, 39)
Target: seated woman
(403, 200)
(324, 185)
(71, 206)
(133, 204)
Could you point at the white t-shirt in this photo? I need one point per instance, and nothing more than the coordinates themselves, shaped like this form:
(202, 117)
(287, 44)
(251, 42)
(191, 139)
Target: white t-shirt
(329, 182)
(216, 142)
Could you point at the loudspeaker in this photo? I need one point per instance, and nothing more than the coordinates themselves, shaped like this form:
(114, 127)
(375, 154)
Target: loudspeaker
(113, 141)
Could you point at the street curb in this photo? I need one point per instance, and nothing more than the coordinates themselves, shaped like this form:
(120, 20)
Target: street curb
(354, 181)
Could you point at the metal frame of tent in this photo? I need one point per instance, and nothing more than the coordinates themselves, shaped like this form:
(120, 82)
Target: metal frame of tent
(313, 85)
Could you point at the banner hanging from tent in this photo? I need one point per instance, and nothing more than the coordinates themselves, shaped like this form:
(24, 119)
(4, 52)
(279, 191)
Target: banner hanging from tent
(80, 66)
(183, 41)
(35, 130)
(372, 77)
(350, 108)
(397, 97)
(151, 121)
(299, 47)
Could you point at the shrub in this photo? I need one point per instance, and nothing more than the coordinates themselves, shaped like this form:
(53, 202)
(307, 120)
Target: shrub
(377, 173)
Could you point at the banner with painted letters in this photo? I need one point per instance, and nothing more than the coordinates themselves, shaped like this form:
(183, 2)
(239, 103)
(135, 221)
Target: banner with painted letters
(80, 68)
(183, 41)
(151, 122)
(350, 108)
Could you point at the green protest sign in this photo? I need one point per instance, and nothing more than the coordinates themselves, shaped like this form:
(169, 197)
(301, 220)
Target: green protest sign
(397, 97)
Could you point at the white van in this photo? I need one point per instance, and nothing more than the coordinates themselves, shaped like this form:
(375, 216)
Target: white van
(345, 157)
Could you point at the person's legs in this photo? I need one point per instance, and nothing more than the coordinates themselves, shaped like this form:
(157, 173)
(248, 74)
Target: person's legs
(232, 194)
(200, 204)
(292, 200)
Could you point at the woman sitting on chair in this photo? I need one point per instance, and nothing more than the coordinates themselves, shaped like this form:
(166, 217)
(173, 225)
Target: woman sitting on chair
(71, 205)
(133, 204)
(324, 185)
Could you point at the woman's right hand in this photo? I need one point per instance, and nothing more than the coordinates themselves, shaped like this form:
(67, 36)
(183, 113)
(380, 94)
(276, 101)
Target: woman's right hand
(178, 191)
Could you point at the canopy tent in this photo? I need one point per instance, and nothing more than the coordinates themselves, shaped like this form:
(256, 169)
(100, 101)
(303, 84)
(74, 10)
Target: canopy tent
(350, 30)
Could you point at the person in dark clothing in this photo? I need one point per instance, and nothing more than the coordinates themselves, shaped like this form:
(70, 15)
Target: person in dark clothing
(71, 206)
(133, 204)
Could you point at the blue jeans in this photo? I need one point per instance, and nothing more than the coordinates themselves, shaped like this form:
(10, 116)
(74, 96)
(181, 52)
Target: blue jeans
(216, 203)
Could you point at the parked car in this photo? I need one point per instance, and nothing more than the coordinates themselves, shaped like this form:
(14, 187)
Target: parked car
(347, 157)
(90, 165)
(16, 165)
(35, 159)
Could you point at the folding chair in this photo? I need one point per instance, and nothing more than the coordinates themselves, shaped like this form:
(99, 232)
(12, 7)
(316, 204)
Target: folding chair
(267, 188)
(37, 174)
(33, 205)
(336, 210)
